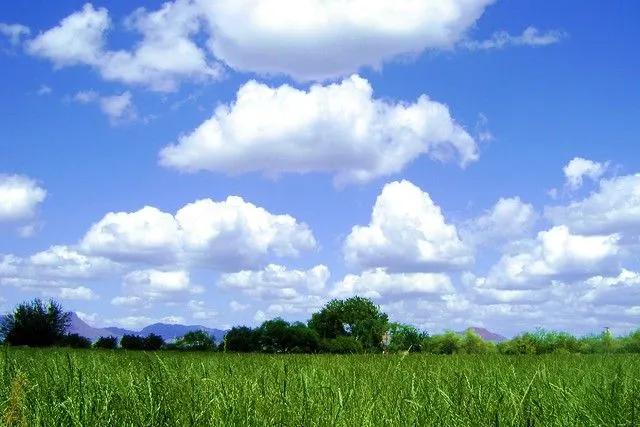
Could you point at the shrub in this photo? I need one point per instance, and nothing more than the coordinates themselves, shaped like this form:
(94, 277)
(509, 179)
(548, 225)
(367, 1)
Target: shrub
(107, 343)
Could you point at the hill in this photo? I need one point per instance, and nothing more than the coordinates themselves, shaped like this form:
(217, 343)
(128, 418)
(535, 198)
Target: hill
(487, 335)
(170, 331)
(167, 331)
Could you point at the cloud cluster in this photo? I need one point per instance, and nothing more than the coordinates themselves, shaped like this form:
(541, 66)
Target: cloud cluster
(339, 129)
(271, 37)
(229, 234)
(163, 58)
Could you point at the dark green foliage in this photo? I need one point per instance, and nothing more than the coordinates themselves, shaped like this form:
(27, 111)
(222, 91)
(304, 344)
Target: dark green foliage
(74, 341)
(195, 341)
(447, 343)
(35, 324)
(106, 343)
(355, 317)
(151, 342)
(241, 339)
(405, 337)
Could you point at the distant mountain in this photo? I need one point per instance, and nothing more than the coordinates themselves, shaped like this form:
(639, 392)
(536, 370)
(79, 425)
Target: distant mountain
(118, 332)
(80, 327)
(487, 335)
(167, 331)
(172, 331)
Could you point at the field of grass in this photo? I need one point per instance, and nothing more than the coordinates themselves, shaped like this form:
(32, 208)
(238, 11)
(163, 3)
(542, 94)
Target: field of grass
(104, 388)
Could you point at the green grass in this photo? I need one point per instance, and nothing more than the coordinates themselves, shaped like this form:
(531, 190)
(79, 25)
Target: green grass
(102, 388)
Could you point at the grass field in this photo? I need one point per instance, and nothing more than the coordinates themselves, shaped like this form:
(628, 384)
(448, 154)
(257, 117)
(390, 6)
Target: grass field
(103, 388)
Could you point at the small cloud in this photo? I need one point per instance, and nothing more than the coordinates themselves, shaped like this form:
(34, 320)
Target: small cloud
(86, 96)
(14, 32)
(118, 108)
(531, 36)
(237, 306)
(578, 168)
(44, 90)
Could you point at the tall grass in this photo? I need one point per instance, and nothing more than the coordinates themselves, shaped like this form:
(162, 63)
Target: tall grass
(103, 388)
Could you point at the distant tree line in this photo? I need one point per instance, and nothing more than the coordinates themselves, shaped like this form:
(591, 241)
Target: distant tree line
(354, 325)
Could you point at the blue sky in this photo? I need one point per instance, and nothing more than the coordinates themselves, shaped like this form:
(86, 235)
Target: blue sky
(460, 162)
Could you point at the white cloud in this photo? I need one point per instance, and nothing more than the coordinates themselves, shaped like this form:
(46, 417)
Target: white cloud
(614, 208)
(131, 301)
(339, 129)
(78, 293)
(578, 168)
(119, 108)
(228, 234)
(154, 284)
(378, 283)
(78, 38)
(622, 290)
(15, 32)
(161, 60)
(407, 232)
(20, 197)
(276, 282)
(556, 254)
(282, 37)
(236, 306)
(44, 90)
(86, 96)
(531, 36)
(200, 311)
(509, 218)
(53, 266)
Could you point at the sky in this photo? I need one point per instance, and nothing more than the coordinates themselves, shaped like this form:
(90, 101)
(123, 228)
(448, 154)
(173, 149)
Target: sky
(223, 162)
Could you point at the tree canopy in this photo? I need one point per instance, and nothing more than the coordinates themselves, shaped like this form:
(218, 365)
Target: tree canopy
(355, 317)
(35, 324)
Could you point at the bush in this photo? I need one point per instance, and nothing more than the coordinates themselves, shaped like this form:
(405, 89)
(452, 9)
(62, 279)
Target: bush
(107, 343)
(75, 341)
(447, 343)
(194, 341)
(35, 324)
(472, 343)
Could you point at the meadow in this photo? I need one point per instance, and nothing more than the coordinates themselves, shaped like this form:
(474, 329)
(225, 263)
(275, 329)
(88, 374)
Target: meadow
(63, 387)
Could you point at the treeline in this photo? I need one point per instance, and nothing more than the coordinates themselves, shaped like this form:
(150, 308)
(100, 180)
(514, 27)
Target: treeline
(350, 326)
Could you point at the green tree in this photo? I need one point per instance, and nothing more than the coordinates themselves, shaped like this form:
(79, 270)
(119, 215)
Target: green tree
(241, 339)
(472, 343)
(447, 343)
(275, 336)
(405, 337)
(196, 340)
(355, 317)
(75, 341)
(107, 343)
(35, 324)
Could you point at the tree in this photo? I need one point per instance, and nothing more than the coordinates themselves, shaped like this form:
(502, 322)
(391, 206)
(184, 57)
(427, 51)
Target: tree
(472, 343)
(132, 342)
(355, 317)
(195, 340)
(35, 324)
(241, 339)
(75, 341)
(275, 336)
(152, 342)
(405, 338)
(107, 343)
(447, 343)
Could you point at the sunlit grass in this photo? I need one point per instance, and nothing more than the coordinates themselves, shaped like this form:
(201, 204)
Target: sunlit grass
(103, 388)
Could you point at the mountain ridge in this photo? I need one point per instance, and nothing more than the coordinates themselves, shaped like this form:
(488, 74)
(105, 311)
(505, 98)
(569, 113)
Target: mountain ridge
(166, 330)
